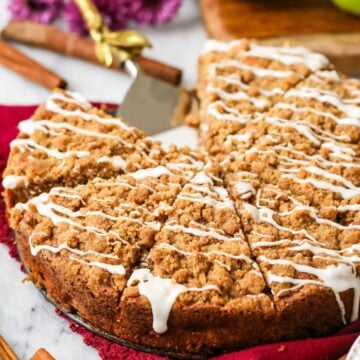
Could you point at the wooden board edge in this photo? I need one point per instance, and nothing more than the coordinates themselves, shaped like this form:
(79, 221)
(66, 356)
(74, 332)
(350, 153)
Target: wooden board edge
(211, 15)
(342, 49)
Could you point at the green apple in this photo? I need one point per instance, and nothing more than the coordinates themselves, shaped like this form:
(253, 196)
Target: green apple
(351, 6)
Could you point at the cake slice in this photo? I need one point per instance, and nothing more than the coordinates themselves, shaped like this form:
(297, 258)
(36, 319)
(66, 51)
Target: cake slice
(308, 144)
(68, 142)
(82, 243)
(188, 252)
(198, 275)
(297, 247)
(240, 79)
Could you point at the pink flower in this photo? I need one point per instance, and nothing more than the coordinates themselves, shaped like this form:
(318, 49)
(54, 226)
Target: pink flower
(43, 11)
(114, 12)
(154, 11)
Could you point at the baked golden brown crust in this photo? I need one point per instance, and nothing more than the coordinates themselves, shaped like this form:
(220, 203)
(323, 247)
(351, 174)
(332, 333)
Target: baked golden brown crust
(189, 253)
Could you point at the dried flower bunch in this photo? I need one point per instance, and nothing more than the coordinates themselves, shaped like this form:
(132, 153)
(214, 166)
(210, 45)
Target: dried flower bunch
(117, 13)
(43, 11)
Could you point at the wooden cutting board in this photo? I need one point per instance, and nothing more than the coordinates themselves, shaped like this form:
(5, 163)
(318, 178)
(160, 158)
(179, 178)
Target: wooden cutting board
(316, 24)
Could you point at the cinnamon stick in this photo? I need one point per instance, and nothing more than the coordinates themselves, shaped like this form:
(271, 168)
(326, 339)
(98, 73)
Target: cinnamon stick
(55, 39)
(29, 68)
(6, 353)
(42, 354)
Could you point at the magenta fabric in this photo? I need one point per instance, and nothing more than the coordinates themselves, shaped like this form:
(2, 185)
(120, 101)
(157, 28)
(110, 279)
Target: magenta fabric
(330, 348)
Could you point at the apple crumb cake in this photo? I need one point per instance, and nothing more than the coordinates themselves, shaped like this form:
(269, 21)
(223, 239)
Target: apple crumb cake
(252, 240)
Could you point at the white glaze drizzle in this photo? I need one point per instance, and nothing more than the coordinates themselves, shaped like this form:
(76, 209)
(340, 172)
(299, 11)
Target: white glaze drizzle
(29, 127)
(208, 254)
(162, 294)
(12, 182)
(221, 46)
(257, 71)
(32, 145)
(244, 189)
(324, 96)
(288, 55)
(338, 278)
(199, 232)
(151, 172)
(35, 249)
(116, 161)
(112, 269)
(52, 106)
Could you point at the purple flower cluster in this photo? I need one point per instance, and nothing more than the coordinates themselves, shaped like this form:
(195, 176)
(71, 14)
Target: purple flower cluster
(153, 11)
(116, 13)
(42, 11)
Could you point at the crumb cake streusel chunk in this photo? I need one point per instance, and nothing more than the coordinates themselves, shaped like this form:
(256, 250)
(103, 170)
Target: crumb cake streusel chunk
(297, 245)
(241, 79)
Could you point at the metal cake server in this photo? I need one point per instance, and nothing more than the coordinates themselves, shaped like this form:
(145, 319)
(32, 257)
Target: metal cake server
(150, 104)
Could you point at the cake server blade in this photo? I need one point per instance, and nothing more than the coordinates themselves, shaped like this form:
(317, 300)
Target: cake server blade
(152, 105)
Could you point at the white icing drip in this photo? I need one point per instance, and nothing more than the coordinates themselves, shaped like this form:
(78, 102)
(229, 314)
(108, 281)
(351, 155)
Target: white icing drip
(56, 249)
(346, 193)
(301, 128)
(340, 151)
(74, 214)
(312, 212)
(28, 127)
(338, 120)
(50, 210)
(308, 159)
(309, 130)
(288, 55)
(116, 161)
(30, 145)
(12, 182)
(162, 294)
(207, 254)
(326, 97)
(304, 245)
(338, 278)
(234, 79)
(317, 171)
(258, 72)
(329, 74)
(244, 189)
(201, 178)
(112, 269)
(271, 92)
(239, 138)
(71, 97)
(198, 232)
(350, 207)
(264, 243)
(52, 106)
(231, 114)
(239, 95)
(264, 214)
(204, 200)
(65, 193)
(220, 46)
(151, 172)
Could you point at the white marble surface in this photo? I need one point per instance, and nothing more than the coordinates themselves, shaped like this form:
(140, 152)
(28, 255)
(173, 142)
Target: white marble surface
(27, 321)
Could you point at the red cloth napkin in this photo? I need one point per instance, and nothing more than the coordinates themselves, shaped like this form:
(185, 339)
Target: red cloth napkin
(329, 348)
